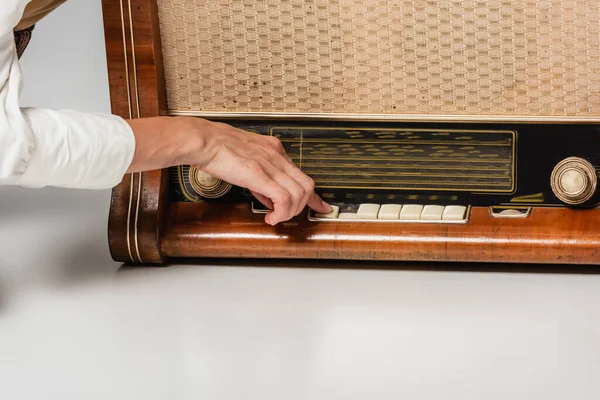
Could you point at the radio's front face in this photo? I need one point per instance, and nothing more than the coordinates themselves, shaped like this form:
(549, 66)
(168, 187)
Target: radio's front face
(418, 169)
(399, 112)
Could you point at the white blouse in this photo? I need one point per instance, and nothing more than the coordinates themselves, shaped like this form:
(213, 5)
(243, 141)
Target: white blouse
(41, 147)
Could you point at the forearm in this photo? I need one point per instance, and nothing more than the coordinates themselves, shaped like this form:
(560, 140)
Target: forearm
(163, 142)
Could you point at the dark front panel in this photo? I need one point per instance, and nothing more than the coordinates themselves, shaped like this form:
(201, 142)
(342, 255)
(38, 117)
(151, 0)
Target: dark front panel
(489, 165)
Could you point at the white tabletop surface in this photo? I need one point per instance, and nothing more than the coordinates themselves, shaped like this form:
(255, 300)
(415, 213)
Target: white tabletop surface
(75, 325)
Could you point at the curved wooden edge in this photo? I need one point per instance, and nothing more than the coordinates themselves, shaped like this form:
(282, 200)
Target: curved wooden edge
(137, 89)
(547, 236)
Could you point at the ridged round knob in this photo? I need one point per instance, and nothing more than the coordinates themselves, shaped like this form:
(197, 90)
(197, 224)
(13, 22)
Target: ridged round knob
(208, 186)
(574, 180)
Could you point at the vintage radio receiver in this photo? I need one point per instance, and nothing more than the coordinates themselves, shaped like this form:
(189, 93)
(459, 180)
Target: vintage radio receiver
(440, 130)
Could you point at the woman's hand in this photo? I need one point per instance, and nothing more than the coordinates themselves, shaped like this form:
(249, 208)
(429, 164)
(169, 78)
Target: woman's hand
(256, 162)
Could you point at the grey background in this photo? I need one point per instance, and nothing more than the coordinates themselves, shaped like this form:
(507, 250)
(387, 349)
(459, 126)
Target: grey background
(57, 234)
(73, 325)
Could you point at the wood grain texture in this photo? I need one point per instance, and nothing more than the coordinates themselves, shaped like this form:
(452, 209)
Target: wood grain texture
(137, 90)
(145, 228)
(551, 236)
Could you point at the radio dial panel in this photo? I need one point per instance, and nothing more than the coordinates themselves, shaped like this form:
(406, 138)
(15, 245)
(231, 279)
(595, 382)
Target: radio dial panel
(409, 163)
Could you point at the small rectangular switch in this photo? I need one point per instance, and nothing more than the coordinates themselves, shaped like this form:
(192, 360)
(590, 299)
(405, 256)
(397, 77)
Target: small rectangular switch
(454, 213)
(432, 212)
(367, 211)
(389, 211)
(332, 215)
(411, 212)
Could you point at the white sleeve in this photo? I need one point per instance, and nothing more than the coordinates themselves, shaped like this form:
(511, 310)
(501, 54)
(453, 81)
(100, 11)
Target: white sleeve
(40, 147)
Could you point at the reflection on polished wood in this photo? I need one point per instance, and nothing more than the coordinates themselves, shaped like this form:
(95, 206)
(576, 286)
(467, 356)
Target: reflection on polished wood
(546, 236)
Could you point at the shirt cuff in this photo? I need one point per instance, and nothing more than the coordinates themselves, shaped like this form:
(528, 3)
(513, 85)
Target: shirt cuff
(77, 150)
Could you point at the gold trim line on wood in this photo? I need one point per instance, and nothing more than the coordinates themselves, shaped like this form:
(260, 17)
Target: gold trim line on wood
(137, 103)
(126, 62)
(438, 118)
(129, 100)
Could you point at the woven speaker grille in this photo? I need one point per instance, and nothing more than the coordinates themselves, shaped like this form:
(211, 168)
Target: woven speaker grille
(527, 58)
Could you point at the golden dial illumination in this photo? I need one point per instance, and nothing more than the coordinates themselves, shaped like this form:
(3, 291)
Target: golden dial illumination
(206, 185)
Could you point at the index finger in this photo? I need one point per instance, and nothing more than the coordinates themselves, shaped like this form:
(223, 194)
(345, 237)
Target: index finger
(272, 195)
(317, 204)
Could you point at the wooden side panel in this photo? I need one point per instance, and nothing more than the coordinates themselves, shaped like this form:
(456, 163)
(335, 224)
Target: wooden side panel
(546, 236)
(137, 90)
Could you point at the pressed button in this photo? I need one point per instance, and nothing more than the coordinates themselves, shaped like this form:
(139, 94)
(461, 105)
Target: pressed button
(346, 215)
(511, 213)
(332, 215)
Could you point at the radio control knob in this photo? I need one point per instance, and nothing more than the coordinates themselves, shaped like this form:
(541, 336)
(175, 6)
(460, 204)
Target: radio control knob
(206, 185)
(574, 180)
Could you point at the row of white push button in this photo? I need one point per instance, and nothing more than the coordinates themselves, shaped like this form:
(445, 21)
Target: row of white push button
(397, 212)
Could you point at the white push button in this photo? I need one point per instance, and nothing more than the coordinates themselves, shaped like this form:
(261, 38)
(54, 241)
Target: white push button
(432, 212)
(454, 213)
(389, 211)
(411, 212)
(332, 215)
(347, 215)
(367, 211)
(511, 213)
